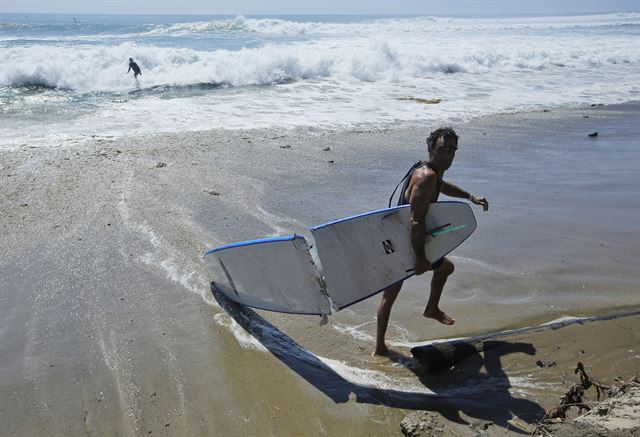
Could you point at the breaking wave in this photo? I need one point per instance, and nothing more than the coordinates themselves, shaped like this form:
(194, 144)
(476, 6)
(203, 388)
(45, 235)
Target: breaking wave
(275, 26)
(104, 68)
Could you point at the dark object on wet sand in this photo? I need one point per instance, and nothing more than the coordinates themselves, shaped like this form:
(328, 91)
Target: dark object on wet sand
(440, 356)
(593, 134)
(161, 165)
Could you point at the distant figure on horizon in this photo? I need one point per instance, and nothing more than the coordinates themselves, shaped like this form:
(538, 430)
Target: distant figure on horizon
(136, 69)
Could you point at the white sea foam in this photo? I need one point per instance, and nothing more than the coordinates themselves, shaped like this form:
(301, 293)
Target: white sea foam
(243, 337)
(375, 378)
(214, 26)
(354, 331)
(330, 75)
(162, 254)
(274, 26)
(397, 335)
(484, 383)
(103, 69)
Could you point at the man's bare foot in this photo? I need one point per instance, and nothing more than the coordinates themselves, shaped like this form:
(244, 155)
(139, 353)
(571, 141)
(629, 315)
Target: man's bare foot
(381, 351)
(439, 315)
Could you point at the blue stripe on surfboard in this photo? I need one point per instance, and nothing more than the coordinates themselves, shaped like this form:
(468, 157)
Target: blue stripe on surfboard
(446, 230)
(324, 225)
(395, 208)
(252, 242)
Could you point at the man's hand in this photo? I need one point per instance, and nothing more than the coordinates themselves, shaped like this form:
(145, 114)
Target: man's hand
(422, 266)
(480, 201)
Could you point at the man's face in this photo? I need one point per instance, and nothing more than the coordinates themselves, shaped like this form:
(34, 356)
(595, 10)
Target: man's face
(443, 152)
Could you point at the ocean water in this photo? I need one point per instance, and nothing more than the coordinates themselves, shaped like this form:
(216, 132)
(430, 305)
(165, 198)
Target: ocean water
(64, 77)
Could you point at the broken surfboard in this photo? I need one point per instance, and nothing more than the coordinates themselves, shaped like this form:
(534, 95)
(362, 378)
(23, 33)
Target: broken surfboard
(355, 258)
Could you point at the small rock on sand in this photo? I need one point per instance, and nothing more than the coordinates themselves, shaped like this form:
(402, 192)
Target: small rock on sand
(422, 424)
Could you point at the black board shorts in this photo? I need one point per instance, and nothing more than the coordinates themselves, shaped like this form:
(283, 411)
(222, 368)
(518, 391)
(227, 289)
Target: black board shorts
(438, 263)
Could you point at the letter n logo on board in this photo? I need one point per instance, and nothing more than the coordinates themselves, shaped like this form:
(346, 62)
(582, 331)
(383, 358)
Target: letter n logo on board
(388, 247)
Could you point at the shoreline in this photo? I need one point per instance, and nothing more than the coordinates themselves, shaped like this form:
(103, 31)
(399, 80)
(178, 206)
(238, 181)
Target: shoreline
(103, 280)
(86, 139)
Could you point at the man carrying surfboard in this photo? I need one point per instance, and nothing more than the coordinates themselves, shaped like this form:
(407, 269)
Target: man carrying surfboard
(422, 186)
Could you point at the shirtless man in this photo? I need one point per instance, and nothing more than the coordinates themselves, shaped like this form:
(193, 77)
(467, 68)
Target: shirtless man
(422, 187)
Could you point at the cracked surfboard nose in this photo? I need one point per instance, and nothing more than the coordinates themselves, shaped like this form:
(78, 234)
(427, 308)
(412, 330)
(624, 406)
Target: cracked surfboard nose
(275, 274)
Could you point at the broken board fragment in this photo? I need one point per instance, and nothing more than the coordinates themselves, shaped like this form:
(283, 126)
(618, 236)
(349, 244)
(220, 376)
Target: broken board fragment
(275, 274)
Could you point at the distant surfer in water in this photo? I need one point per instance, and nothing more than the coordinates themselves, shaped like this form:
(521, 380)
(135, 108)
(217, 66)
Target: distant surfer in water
(136, 70)
(422, 186)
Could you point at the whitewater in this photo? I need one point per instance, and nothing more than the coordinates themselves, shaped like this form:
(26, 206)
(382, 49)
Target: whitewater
(65, 77)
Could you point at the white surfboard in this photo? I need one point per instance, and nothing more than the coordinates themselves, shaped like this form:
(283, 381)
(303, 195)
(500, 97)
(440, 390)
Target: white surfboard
(364, 254)
(275, 274)
(358, 257)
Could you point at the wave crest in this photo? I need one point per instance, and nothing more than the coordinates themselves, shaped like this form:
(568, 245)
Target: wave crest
(104, 68)
(283, 27)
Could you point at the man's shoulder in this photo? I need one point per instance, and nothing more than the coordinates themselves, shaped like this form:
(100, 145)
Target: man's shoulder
(424, 175)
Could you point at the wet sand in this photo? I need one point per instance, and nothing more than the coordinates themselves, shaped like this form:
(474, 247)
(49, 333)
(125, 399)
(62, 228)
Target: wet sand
(108, 324)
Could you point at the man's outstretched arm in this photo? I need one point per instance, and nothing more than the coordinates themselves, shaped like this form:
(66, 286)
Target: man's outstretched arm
(454, 191)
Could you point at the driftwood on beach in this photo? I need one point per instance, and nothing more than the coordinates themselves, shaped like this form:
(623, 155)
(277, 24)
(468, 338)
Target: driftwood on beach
(619, 413)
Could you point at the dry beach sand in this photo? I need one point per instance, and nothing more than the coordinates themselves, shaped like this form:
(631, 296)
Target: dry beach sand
(108, 325)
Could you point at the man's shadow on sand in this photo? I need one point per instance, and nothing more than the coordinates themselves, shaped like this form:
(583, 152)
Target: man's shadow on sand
(481, 395)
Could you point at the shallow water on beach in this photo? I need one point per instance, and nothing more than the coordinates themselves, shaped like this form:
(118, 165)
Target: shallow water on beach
(108, 323)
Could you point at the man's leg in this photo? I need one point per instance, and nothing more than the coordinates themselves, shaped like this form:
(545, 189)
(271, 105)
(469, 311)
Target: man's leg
(384, 311)
(440, 276)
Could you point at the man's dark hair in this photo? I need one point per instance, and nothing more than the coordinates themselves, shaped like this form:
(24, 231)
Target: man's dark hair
(444, 132)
